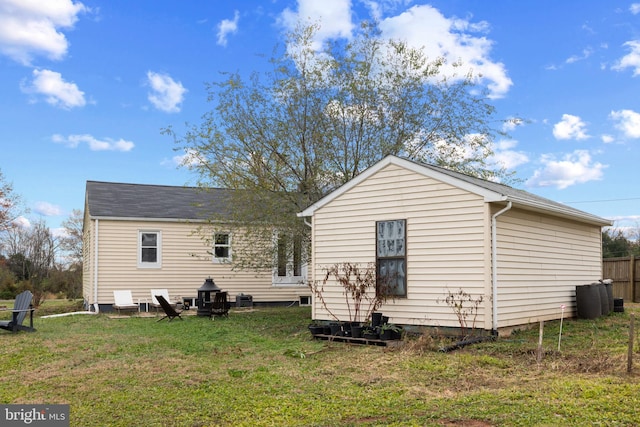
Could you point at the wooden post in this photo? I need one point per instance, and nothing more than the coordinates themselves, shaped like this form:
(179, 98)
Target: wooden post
(632, 277)
(540, 334)
(630, 350)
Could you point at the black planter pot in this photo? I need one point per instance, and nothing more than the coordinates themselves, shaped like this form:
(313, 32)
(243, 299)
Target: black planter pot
(370, 334)
(386, 335)
(336, 329)
(356, 331)
(346, 329)
(376, 319)
(316, 329)
(397, 335)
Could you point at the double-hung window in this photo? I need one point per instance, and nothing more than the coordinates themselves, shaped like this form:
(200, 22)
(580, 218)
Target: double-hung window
(391, 256)
(221, 247)
(149, 249)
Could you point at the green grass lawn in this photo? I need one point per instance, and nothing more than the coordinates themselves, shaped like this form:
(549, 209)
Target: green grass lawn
(261, 368)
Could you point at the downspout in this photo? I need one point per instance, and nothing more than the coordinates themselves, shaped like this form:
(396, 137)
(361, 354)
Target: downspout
(494, 264)
(310, 271)
(95, 266)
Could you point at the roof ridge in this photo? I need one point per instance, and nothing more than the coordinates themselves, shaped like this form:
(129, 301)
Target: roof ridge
(195, 187)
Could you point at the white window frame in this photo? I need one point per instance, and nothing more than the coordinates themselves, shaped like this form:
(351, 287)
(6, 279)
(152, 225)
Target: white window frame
(158, 262)
(220, 260)
(289, 279)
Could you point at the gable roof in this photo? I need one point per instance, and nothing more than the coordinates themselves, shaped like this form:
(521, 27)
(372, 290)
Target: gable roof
(490, 191)
(141, 201)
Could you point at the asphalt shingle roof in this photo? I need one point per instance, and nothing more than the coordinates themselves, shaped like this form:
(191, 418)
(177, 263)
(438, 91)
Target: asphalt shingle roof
(117, 200)
(509, 192)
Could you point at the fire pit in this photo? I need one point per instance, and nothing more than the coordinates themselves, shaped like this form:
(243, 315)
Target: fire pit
(205, 299)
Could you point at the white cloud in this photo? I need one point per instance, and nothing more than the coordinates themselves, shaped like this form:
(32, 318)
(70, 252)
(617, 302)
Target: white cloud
(59, 233)
(511, 123)
(378, 8)
(607, 139)
(167, 94)
(47, 209)
(627, 121)
(188, 160)
(32, 27)
(56, 91)
(505, 156)
(455, 39)
(451, 38)
(570, 127)
(625, 218)
(586, 53)
(334, 15)
(630, 60)
(226, 27)
(574, 168)
(375, 9)
(634, 8)
(94, 144)
(22, 222)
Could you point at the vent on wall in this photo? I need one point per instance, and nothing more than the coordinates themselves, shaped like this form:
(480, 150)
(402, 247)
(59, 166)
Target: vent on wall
(304, 301)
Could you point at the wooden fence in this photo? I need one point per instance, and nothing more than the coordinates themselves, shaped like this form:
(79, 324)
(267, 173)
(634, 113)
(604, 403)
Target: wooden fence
(625, 273)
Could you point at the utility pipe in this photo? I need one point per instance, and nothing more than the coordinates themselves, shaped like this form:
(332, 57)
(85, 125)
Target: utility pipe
(494, 264)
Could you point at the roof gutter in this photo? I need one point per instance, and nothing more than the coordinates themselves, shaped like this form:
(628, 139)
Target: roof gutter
(494, 264)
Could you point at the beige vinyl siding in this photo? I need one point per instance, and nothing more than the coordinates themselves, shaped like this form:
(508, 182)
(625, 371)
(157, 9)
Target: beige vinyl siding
(445, 242)
(185, 264)
(540, 261)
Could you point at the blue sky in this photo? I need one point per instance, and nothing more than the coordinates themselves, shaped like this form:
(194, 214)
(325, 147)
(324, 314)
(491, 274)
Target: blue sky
(86, 87)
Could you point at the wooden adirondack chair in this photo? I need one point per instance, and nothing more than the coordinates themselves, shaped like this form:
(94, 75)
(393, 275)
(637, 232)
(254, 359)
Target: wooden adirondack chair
(220, 305)
(154, 300)
(21, 307)
(169, 311)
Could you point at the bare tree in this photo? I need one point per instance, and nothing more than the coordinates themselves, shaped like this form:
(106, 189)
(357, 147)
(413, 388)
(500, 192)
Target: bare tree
(9, 204)
(71, 242)
(32, 251)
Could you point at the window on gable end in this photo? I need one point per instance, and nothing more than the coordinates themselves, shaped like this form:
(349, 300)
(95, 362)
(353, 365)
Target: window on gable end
(391, 259)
